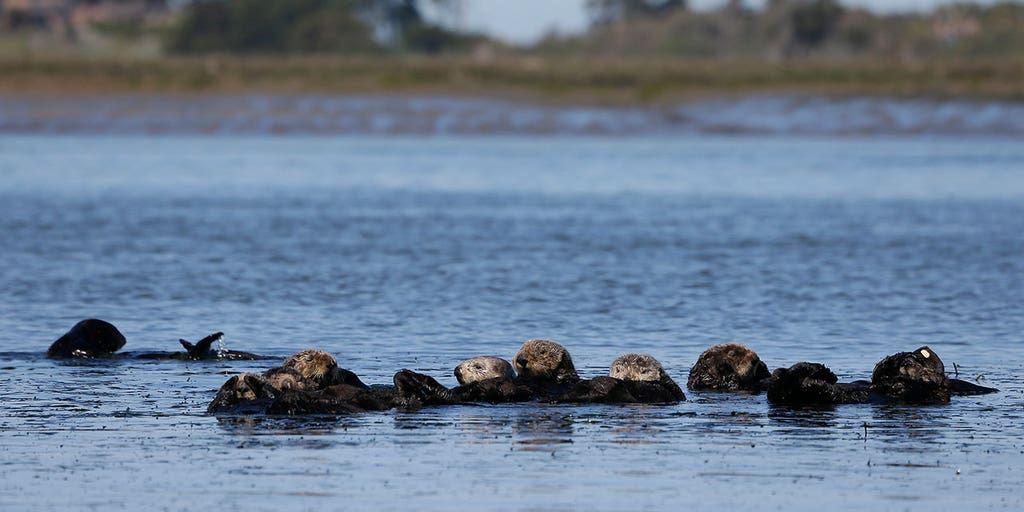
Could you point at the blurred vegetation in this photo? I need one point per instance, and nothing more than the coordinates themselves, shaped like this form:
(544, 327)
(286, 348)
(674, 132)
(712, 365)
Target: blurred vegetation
(635, 50)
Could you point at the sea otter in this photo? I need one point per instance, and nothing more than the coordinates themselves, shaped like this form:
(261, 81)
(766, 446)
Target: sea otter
(203, 351)
(309, 382)
(729, 367)
(483, 368)
(632, 378)
(546, 373)
(88, 338)
(481, 379)
(543, 370)
(919, 377)
(645, 378)
(814, 384)
(916, 377)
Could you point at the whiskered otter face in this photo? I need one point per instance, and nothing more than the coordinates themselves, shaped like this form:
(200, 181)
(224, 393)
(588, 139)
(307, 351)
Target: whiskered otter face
(636, 367)
(544, 360)
(727, 367)
(312, 364)
(483, 368)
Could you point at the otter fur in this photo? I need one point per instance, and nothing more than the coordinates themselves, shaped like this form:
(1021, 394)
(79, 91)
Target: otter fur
(917, 377)
(88, 338)
(729, 367)
(309, 382)
(483, 368)
(632, 378)
(203, 350)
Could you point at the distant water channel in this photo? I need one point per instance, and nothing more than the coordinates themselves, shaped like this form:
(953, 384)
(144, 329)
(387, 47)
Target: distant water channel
(418, 252)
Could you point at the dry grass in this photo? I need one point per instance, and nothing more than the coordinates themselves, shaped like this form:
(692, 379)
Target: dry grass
(606, 81)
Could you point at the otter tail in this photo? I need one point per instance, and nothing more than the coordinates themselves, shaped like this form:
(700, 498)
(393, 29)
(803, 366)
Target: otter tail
(964, 388)
(201, 350)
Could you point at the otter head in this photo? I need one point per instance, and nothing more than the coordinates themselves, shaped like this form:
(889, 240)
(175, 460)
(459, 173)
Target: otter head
(483, 368)
(917, 376)
(88, 338)
(727, 367)
(242, 388)
(544, 360)
(315, 365)
(802, 384)
(641, 367)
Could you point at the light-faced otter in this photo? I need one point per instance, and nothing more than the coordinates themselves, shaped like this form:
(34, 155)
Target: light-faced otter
(88, 338)
(483, 368)
(632, 378)
(203, 351)
(548, 374)
(729, 367)
(645, 378)
(916, 377)
(481, 379)
(543, 370)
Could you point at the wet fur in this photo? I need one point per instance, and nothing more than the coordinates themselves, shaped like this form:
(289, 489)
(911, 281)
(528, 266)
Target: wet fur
(728, 367)
(545, 361)
(88, 338)
(483, 368)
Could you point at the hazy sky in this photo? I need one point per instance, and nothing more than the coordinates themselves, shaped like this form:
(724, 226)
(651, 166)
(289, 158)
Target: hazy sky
(524, 21)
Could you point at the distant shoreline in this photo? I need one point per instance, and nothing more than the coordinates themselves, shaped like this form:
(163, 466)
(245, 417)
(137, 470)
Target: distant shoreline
(601, 82)
(436, 114)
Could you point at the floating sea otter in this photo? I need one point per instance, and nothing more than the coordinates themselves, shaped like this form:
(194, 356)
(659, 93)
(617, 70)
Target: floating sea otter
(97, 338)
(545, 372)
(917, 377)
(309, 382)
(729, 367)
(88, 338)
(202, 351)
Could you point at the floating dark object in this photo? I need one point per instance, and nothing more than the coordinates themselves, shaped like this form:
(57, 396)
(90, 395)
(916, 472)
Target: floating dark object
(88, 338)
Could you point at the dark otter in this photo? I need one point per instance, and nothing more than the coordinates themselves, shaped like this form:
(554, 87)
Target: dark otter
(813, 384)
(248, 393)
(919, 377)
(916, 377)
(203, 351)
(88, 338)
(729, 367)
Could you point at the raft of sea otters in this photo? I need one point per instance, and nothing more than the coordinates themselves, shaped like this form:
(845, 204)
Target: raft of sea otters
(310, 382)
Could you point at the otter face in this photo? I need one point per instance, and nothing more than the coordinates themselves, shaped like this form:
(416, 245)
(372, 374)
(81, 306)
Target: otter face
(241, 388)
(917, 376)
(727, 367)
(544, 360)
(483, 368)
(315, 365)
(638, 367)
(288, 378)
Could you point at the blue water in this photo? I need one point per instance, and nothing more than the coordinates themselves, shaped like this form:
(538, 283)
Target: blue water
(420, 252)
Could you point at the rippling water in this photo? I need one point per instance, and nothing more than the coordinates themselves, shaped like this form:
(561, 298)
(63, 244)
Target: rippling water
(419, 252)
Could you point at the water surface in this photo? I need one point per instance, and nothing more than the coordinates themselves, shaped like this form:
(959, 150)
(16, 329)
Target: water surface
(419, 252)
